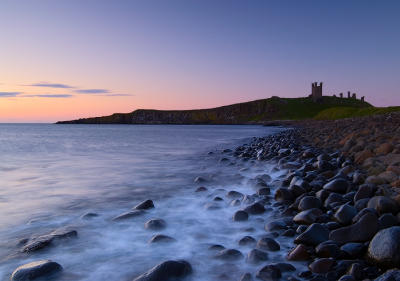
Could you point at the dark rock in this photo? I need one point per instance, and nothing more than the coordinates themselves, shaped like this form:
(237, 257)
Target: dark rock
(36, 269)
(284, 267)
(347, 278)
(307, 217)
(269, 273)
(322, 265)
(43, 241)
(299, 253)
(276, 225)
(234, 194)
(301, 228)
(353, 250)
(384, 249)
(241, 216)
(269, 244)
(161, 238)
(246, 277)
(361, 204)
(337, 185)
(255, 209)
(355, 270)
(289, 233)
(229, 255)
(155, 224)
(235, 202)
(328, 250)
(199, 180)
(345, 214)
(166, 270)
(89, 216)
(322, 194)
(128, 215)
(314, 235)
(334, 198)
(383, 204)
(390, 275)
(145, 205)
(283, 195)
(216, 247)
(201, 189)
(387, 220)
(364, 211)
(217, 198)
(264, 191)
(332, 225)
(257, 256)
(212, 206)
(309, 202)
(364, 191)
(361, 231)
(247, 240)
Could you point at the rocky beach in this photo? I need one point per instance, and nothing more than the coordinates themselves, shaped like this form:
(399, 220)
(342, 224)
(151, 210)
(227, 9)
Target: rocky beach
(331, 212)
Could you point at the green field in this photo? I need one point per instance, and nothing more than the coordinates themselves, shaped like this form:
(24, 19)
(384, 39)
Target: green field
(349, 112)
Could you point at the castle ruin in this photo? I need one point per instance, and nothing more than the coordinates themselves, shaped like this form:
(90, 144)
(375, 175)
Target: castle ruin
(316, 93)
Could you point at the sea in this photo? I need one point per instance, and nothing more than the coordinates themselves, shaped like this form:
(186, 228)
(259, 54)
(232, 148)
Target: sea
(52, 175)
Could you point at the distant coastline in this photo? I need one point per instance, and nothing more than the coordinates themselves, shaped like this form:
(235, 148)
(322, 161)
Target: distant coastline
(252, 112)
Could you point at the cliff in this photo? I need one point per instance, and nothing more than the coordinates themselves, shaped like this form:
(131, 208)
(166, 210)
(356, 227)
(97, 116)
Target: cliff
(252, 112)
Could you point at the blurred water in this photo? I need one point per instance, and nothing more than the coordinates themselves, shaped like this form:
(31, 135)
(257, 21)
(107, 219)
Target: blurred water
(50, 175)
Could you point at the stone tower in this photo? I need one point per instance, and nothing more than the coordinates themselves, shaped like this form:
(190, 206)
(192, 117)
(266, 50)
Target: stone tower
(316, 91)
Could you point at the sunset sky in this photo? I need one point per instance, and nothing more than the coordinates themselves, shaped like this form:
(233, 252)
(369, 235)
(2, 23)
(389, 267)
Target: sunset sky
(69, 59)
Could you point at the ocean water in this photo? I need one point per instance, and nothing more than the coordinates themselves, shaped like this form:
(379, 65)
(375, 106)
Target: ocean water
(51, 175)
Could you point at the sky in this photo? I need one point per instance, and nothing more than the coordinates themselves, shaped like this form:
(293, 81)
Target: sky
(68, 59)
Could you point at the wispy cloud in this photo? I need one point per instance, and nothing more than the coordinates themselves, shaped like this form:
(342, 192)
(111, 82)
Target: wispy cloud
(9, 94)
(92, 91)
(51, 85)
(118, 95)
(48, 96)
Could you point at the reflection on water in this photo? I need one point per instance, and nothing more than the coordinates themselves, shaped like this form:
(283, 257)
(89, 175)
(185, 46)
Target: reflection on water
(51, 175)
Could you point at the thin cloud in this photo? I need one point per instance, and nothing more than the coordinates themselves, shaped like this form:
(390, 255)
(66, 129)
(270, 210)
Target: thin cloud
(51, 85)
(48, 96)
(92, 91)
(9, 94)
(118, 95)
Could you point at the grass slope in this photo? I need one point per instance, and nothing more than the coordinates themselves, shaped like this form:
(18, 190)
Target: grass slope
(349, 112)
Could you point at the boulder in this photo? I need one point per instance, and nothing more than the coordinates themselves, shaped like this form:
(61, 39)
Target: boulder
(201, 189)
(345, 214)
(384, 249)
(337, 185)
(229, 255)
(255, 209)
(313, 235)
(361, 231)
(257, 256)
(327, 250)
(353, 250)
(383, 204)
(264, 191)
(269, 244)
(35, 270)
(166, 271)
(283, 195)
(246, 277)
(309, 202)
(390, 275)
(240, 216)
(299, 253)
(234, 194)
(155, 224)
(145, 205)
(269, 273)
(364, 191)
(387, 220)
(161, 238)
(247, 240)
(322, 265)
(307, 217)
(128, 215)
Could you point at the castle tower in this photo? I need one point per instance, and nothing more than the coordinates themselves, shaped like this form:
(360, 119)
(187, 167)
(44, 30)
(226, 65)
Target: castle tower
(316, 91)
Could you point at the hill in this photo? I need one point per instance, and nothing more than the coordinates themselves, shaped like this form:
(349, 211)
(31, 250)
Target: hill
(252, 112)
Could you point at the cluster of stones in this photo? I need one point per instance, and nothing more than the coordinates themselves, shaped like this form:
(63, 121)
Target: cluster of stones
(51, 270)
(344, 225)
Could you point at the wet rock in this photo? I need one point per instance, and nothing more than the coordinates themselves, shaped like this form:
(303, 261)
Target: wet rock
(284, 267)
(128, 215)
(337, 185)
(255, 209)
(35, 270)
(229, 255)
(307, 217)
(269, 273)
(166, 271)
(212, 206)
(333, 198)
(322, 194)
(246, 277)
(345, 214)
(299, 253)
(234, 194)
(364, 191)
(43, 241)
(361, 204)
(283, 195)
(361, 213)
(89, 216)
(276, 225)
(301, 228)
(384, 249)
(327, 250)
(161, 238)
(383, 204)
(240, 216)
(257, 256)
(247, 240)
(199, 180)
(390, 275)
(347, 278)
(309, 202)
(289, 233)
(361, 231)
(353, 250)
(237, 202)
(322, 265)
(355, 271)
(268, 244)
(314, 235)
(264, 191)
(387, 220)
(201, 189)
(155, 224)
(217, 198)
(216, 247)
(145, 205)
